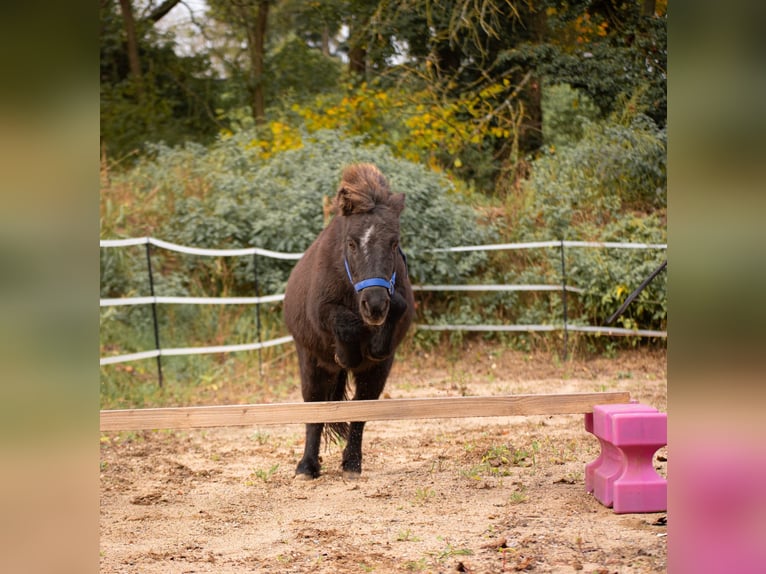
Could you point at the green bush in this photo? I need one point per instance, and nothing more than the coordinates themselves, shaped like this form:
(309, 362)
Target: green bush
(608, 186)
(228, 197)
(566, 112)
(614, 169)
(278, 205)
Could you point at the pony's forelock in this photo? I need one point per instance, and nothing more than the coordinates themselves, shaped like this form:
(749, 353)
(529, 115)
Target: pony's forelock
(362, 187)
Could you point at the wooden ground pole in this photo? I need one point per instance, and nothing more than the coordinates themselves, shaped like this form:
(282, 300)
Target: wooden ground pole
(343, 411)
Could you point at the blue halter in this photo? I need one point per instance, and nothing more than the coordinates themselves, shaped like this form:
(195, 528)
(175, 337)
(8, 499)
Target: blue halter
(375, 281)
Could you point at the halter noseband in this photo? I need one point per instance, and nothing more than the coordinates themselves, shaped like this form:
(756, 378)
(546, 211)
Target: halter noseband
(375, 281)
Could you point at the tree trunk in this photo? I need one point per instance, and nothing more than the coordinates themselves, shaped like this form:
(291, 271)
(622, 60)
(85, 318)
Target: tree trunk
(531, 136)
(357, 50)
(647, 7)
(357, 60)
(326, 41)
(132, 40)
(256, 40)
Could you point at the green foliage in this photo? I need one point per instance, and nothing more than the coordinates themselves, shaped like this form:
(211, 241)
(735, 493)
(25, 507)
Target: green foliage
(618, 66)
(238, 200)
(173, 101)
(578, 189)
(608, 276)
(295, 72)
(566, 112)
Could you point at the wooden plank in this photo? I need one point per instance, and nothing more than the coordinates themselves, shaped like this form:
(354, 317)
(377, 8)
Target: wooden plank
(385, 409)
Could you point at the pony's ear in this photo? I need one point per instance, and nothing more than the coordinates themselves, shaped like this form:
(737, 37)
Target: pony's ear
(396, 201)
(349, 200)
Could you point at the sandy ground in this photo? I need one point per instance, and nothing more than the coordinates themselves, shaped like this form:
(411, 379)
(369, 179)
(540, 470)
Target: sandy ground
(445, 495)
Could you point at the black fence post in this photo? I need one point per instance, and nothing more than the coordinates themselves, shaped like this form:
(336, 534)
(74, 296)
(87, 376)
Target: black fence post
(154, 310)
(258, 313)
(564, 297)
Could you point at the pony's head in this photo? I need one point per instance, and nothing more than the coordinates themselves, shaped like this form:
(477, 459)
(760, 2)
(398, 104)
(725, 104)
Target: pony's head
(370, 238)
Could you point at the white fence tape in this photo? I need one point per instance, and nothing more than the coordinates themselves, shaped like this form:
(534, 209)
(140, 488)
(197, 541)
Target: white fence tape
(194, 351)
(280, 255)
(569, 288)
(198, 250)
(295, 256)
(535, 328)
(540, 244)
(191, 300)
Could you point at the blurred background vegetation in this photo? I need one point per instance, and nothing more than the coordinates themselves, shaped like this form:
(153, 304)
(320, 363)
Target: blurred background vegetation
(225, 124)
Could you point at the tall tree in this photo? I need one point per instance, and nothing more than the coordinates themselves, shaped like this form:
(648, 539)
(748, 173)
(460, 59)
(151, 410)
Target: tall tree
(249, 18)
(132, 44)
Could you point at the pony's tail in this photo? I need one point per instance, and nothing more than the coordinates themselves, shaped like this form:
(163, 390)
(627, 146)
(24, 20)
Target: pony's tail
(335, 432)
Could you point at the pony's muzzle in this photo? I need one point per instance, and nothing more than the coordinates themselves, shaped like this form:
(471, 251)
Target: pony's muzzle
(373, 305)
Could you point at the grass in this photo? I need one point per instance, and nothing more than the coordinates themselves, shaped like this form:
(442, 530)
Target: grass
(500, 460)
(232, 378)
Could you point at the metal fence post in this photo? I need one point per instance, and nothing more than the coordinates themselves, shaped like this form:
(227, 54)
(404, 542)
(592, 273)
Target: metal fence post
(564, 296)
(258, 313)
(154, 310)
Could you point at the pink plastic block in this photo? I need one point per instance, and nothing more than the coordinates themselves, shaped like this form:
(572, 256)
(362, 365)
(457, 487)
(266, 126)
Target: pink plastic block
(623, 475)
(601, 472)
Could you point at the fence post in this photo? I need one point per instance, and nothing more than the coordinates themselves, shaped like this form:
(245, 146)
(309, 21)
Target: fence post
(258, 313)
(154, 310)
(564, 296)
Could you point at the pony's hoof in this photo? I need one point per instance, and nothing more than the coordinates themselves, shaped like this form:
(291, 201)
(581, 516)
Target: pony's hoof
(351, 475)
(303, 477)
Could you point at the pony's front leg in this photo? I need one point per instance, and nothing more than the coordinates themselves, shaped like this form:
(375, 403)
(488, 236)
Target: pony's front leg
(369, 385)
(348, 330)
(309, 466)
(317, 384)
(381, 342)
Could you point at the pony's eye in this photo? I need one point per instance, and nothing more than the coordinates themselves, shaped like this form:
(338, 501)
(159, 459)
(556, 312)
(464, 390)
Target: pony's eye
(351, 245)
(394, 245)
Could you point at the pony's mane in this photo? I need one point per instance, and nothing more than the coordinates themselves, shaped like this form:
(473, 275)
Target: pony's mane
(361, 188)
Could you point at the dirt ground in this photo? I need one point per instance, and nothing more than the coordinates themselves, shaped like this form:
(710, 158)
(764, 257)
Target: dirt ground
(442, 495)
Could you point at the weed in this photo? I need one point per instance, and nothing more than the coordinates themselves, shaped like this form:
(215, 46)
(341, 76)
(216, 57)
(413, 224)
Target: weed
(517, 497)
(416, 565)
(264, 475)
(261, 437)
(406, 536)
(449, 552)
(423, 495)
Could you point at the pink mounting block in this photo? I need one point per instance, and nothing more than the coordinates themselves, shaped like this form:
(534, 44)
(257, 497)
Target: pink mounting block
(623, 476)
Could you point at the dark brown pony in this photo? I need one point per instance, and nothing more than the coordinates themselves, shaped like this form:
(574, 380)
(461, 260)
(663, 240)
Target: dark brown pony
(348, 305)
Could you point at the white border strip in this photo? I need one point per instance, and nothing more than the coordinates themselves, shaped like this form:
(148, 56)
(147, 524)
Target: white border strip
(121, 301)
(193, 351)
